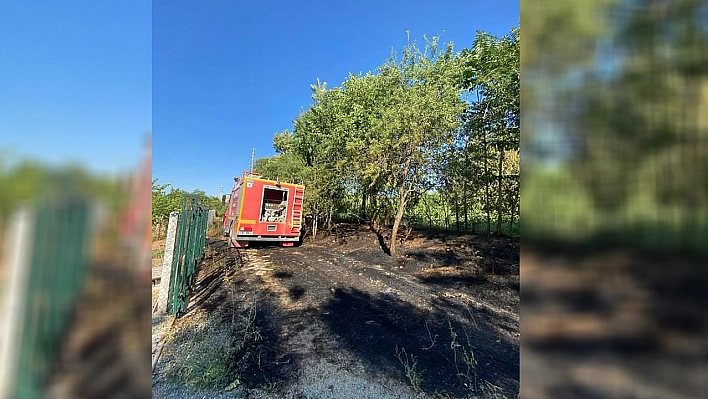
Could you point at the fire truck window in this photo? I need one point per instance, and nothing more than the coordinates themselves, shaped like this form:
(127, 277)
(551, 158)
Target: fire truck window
(274, 208)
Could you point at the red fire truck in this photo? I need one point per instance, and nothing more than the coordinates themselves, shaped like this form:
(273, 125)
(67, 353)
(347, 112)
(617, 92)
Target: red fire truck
(263, 210)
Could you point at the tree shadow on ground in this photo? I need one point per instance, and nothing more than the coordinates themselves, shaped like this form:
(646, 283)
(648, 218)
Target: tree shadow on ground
(282, 274)
(663, 296)
(491, 319)
(443, 257)
(234, 343)
(345, 230)
(492, 255)
(252, 324)
(104, 337)
(296, 292)
(264, 360)
(209, 280)
(462, 279)
(577, 391)
(378, 328)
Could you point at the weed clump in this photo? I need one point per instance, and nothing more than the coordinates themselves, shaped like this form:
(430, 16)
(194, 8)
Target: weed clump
(410, 368)
(200, 355)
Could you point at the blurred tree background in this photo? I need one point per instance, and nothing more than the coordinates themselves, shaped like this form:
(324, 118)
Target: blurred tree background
(614, 147)
(25, 182)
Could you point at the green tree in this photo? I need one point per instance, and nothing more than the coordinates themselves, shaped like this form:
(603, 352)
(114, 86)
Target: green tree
(376, 145)
(426, 113)
(492, 77)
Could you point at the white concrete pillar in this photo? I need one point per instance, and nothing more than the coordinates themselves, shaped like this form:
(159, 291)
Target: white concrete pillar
(211, 217)
(165, 279)
(17, 253)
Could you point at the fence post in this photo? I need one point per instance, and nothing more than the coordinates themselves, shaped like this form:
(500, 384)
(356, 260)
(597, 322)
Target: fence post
(165, 279)
(212, 216)
(17, 254)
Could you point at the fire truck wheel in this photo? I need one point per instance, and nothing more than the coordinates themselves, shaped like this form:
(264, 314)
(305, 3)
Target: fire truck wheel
(299, 239)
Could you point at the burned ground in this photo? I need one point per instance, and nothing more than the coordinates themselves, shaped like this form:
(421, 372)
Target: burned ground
(103, 353)
(441, 317)
(613, 323)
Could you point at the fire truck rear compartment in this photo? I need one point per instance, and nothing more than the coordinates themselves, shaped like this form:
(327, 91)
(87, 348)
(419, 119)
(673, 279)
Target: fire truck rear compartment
(275, 205)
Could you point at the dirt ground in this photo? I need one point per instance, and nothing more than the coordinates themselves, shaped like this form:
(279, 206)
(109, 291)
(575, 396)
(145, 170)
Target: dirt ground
(338, 318)
(613, 324)
(104, 353)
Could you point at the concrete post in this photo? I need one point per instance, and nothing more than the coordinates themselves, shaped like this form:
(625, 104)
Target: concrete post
(165, 279)
(211, 217)
(17, 257)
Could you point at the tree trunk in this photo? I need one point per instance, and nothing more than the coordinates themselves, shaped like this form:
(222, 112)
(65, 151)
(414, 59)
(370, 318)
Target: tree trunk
(512, 206)
(486, 187)
(447, 216)
(457, 214)
(464, 196)
(511, 214)
(374, 213)
(486, 170)
(314, 226)
(402, 194)
(428, 213)
(399, 215)
(499, 190)
(362, 210)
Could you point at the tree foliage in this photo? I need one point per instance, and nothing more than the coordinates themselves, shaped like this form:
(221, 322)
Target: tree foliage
(429, 126)
(30, 182)
(166, 199)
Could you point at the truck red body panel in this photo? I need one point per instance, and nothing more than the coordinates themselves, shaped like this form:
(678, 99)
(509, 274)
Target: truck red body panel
(263, 210)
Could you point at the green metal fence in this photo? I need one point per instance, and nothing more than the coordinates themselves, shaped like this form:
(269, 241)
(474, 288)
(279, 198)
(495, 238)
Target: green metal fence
(190, 240)
(57, 268)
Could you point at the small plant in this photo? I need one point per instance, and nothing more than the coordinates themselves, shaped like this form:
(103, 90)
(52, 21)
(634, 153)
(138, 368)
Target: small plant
(432, 339)
(214, 230)
(466, 366)
(158, 253)
(210, 351)
(493, 390)
(209, 252)
(410, 367)
(465, 361)
(200, 356)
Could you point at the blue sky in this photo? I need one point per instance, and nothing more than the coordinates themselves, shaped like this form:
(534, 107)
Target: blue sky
(228, 75)
(76, 81)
